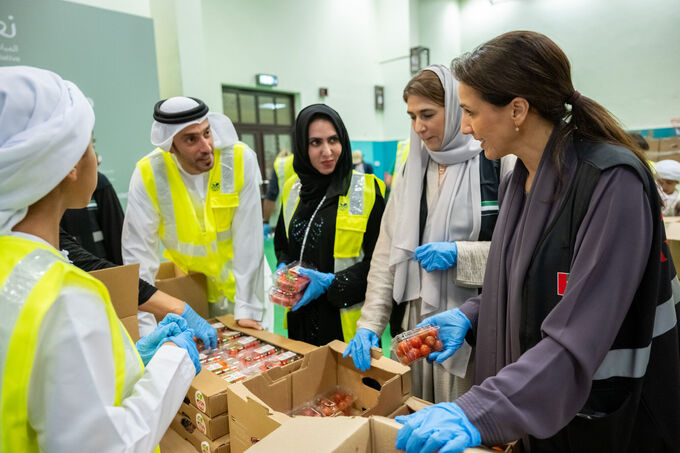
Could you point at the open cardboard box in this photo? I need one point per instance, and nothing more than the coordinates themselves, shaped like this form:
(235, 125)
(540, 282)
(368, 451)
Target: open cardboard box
(185, 427)
(411, 405)
(208, 391)
(259, 405)
(338, 435)
(123, 285)
(190, 288)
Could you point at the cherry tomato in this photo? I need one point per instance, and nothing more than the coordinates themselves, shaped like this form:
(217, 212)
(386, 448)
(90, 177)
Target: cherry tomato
(415, 342)
(425, 350)
(438, 345)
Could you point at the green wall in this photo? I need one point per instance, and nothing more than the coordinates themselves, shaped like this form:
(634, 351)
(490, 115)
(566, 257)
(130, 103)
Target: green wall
(109, 55)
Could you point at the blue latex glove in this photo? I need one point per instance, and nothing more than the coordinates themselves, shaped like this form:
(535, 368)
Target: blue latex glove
(453, 325)
(185, 340)
(280, 266)
(360, 348)
(318, 284)
(436, 256)
(148, 345)
(173, 318)
(443, 427)
(201, 328)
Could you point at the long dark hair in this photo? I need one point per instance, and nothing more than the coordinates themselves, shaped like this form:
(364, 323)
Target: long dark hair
(530, 65)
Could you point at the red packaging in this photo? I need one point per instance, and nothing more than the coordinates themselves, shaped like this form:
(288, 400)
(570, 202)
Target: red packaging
(415, 344)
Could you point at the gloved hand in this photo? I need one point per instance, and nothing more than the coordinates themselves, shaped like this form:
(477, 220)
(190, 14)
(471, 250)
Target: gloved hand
(360, 348)
(174, 318)
(443, 426)
(436, 256)
(280, 266)
(148, 345)
(185, 340)
(453, 325)
(200, 326)
(318, 284)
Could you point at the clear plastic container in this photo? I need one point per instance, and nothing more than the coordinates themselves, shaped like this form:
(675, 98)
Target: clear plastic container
(416, 344)
(288, 285)
(331, 404)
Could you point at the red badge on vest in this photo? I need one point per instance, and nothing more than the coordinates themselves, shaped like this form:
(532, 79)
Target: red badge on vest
(562, 278)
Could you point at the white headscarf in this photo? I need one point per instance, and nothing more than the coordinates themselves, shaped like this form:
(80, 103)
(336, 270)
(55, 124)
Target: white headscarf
(45, 126)
(668, 169)
(459, 196)
(221, 126)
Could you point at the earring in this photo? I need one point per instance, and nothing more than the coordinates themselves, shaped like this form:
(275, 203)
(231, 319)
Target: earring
(516, 128)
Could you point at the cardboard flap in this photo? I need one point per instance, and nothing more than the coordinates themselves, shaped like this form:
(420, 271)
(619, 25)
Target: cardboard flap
(123, 285)
(286, 343)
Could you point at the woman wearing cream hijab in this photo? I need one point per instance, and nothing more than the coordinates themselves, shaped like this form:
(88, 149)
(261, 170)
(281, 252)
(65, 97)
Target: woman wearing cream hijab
(433, 261)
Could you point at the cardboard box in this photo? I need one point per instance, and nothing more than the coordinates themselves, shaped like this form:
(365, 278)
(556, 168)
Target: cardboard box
(411, 405)
(208, 391)
(337, 435)
(190, 288)
(122, 283)
(183, 426)
(258, 405)
(213, 428)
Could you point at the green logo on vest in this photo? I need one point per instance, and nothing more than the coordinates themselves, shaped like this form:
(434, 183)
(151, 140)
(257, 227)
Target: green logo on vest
(215, 186)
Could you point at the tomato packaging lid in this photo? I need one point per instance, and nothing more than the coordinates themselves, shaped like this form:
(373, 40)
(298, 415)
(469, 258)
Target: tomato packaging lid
(284, 298)
(289, 279)
(416, 344)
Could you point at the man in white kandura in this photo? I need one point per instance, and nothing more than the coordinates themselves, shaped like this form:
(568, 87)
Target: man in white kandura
(198, 194)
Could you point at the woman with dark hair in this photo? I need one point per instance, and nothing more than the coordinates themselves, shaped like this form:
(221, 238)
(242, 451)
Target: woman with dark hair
(435, 235)
(329, 221)
(576, 328)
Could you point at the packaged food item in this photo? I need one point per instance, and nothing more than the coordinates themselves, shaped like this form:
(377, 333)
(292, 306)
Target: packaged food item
(227, 335)
(284, 298)
(306, 410)
(288, 285)
(285, 358)
(333, 404)
(235, 376)
(415, 344)
(248, 342)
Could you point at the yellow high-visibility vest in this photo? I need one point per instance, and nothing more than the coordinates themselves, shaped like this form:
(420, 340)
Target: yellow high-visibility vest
(283, 166)
(31, 277)
(195, 241)
(354, 209)
(403, 148)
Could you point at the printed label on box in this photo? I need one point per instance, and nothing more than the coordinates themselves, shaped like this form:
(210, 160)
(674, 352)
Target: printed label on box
(200, 400)
(205, 447)
(200, 423)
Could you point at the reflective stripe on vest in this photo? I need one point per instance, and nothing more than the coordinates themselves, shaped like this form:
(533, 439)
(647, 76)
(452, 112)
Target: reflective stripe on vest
(198, 241)
(32, 275)
(283, 166)
(354, 209)
(403, 148)
(632, 363)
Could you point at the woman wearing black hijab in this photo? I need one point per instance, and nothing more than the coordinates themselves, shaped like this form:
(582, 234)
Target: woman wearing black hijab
(330, 220)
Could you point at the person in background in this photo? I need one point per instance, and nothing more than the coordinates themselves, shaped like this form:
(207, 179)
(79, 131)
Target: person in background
(667, 177)
(72, 379)
(99, 226)
(329, 221)
(435, 234)
(576, 329)
(359, 164)
(283, 169)
(149, 298)
(198, 194)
